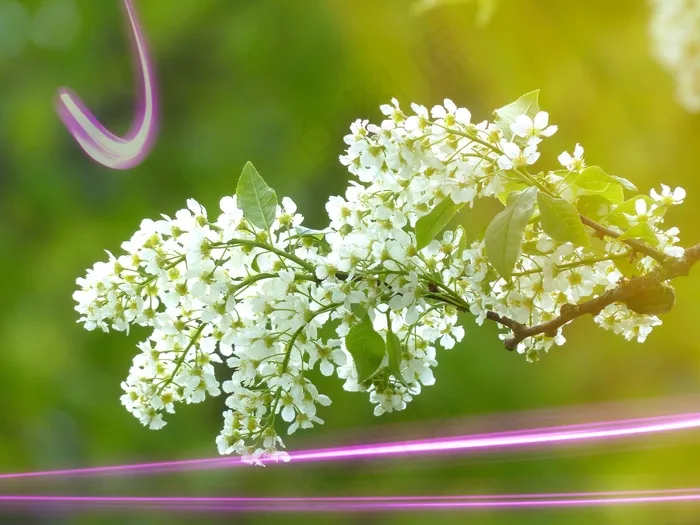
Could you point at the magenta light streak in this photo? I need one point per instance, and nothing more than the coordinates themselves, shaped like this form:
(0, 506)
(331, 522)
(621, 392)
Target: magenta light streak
(541, 436)
(101, 145)
(357, 504)
(498, 440)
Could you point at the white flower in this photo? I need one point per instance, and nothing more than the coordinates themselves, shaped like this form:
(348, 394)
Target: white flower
(667, 243)
(451, 335)
(668, 197)
(533, 128)
(420, 120)
(514, 157)
(287, 216)
(449, 113)
(463, 194)
(327, 357)
(575, 162)
(674, 26)
(576, 283)
(643, 213)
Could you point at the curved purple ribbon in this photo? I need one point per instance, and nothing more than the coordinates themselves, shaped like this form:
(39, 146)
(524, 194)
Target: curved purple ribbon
(100, 144)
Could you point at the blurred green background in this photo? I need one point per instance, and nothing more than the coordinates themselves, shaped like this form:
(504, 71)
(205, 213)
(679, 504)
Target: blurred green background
(278, 82)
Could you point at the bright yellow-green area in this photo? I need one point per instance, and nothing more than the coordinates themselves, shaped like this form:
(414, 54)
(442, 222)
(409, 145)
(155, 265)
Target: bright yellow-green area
(278, 83)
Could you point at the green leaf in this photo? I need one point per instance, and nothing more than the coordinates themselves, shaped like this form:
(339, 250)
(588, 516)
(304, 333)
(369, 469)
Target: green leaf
(303, 231)
(393, 350)
(256, 199)
(560, 220)
(566, 188)
(505, 233)
(617, 216)
(509, 187)
(627, 267)
(430, 225)
(627, 184)
(254, 264)
(641, 231)
(317, 237)
(462, 240)
(366, 347)
(594, 181)
(528, 105)
(358, 310)
(593, 206)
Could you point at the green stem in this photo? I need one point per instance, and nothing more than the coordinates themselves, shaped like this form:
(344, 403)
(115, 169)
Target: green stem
(529, 178)
(181, 359)
(168, 267)
(288, 354)
(454, 299)
(262, 276)
(577, 264)
(256, 244)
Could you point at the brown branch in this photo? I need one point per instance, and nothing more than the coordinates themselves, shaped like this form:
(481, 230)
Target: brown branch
(632, 243)
(635, 287)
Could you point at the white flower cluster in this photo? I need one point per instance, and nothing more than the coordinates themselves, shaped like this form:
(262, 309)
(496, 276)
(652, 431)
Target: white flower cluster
(206, 288)
(254, 289)
(675, 33)
(410, 163)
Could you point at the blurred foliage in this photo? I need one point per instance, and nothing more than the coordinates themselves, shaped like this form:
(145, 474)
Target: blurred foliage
(485, 8)
(278, 82)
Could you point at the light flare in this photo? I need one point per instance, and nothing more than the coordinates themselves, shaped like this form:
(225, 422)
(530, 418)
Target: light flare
(448, 445)
(100, 144)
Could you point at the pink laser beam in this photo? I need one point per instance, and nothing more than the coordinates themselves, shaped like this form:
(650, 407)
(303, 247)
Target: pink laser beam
(100, 144)
(498, 440)
(550, 436)
(344, 504)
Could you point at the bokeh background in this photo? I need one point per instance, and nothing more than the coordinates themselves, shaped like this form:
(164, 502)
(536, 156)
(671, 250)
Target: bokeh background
(278, 82)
